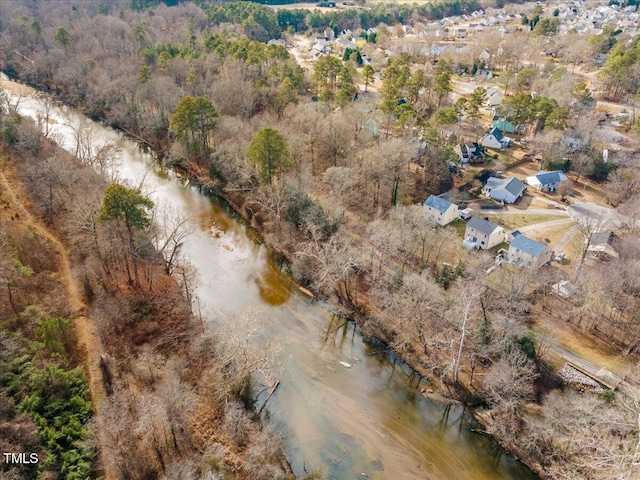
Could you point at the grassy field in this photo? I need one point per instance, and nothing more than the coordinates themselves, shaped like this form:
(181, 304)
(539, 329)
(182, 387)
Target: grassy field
(459, 226)
(512, 222)
(553, 234)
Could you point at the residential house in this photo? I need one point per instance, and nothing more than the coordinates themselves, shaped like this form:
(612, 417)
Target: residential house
(494, 97)
(469, 153)
(482, 234)
(602, 245)
(546, 181)
(346, 42)
(507, 190)
(440, 210)
(572, 142)
(321, 47)
(460, 32)
(524, 251)
(504, 125)
(494, 139)
(564, 289)
(484, 73)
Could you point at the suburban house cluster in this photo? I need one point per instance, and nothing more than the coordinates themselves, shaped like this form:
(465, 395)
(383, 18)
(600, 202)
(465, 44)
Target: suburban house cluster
(481, 234)
(573, 15)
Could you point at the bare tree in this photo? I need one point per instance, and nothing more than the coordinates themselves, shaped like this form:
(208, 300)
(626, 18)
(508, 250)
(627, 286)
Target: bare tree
(510, 381)
(246, 363)
(11, 103)
(185, 274)
(178, 402)
(171, 229)
(599, 437)
(107, 161)
(467, 294)
(83, 142)
(335, 262)
(587, 226)
(271, 198)
(45, 115)
(415, 311)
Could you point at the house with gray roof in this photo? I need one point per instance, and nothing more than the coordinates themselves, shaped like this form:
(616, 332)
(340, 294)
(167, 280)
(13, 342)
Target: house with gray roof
(494, 97)
(525, 251)
(480, 233)
(602, 245)
(507, 190)
(546, 181)
(440, 210)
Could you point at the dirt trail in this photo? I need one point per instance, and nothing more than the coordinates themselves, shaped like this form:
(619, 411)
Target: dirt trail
(86, 332)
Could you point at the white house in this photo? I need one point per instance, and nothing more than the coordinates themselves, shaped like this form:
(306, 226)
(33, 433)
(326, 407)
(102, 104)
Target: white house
(546, 181)
(494, 139)
(524, 251)
(507, 190)
(469, 153)
(482, 234)
(440, 210)
(564, 289)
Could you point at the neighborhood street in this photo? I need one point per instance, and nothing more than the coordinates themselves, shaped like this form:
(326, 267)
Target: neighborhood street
(595, 216)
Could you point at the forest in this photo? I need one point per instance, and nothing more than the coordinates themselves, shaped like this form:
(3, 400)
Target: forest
(289, 148)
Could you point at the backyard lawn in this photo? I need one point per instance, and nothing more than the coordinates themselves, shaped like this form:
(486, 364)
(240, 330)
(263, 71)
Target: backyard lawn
(512, 222)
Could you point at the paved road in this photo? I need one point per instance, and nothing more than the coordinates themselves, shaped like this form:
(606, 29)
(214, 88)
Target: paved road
(595, 216)
(602, 375)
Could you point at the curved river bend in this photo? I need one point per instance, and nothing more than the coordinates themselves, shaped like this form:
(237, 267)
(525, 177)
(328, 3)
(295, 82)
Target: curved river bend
(367, 421)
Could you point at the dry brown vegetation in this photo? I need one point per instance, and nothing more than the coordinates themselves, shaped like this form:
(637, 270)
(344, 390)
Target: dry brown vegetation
(169, 399)
(342, 213)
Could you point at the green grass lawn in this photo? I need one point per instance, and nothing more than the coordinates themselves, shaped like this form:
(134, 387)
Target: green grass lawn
(496, 248)
(512, 222)
(459, 226)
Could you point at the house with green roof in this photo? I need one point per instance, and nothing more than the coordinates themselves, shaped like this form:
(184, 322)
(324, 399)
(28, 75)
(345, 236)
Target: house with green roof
(504, 125)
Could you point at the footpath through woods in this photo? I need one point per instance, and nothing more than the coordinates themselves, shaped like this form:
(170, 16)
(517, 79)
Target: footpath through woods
(86, 333)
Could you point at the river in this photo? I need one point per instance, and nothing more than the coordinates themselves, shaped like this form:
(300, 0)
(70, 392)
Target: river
(368, 420)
